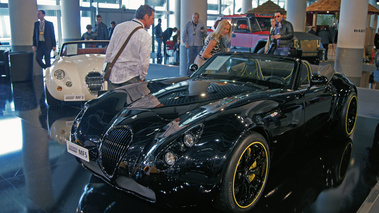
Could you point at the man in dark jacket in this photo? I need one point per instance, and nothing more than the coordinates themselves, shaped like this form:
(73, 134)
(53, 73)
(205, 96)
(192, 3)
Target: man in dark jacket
(283, 35)
(43, 39)
(312, 30)
(376, 40)
(159, 38)
(325, 40)
(166, 37)
(101, 29)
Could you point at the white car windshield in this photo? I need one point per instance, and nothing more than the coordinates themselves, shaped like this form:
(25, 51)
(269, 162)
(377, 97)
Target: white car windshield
(83, 47)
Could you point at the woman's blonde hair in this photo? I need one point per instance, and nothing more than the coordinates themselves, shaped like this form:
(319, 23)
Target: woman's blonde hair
(220, 26)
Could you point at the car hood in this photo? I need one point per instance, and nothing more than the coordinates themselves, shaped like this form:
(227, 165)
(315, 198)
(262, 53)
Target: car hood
(79, 63)
(188, 94)
(160, 105)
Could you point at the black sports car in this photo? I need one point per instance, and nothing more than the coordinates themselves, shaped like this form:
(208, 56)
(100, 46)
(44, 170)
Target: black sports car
(215, 134)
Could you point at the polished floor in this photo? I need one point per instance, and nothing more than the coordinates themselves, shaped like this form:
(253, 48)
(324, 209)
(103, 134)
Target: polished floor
(38, 175)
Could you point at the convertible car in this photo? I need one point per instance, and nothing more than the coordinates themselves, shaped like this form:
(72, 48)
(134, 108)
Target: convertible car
(76, 73)
(214, 135)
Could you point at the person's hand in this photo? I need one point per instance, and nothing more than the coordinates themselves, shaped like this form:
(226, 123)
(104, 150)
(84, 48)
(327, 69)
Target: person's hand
(187, 45)
(34, 48)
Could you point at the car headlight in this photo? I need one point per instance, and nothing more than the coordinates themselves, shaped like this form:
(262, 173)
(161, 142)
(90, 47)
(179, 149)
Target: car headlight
(189, 140)
(59, 74)
(170, 158)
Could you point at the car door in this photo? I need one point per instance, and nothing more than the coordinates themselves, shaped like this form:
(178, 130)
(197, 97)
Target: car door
(241, 33)
(317, 101)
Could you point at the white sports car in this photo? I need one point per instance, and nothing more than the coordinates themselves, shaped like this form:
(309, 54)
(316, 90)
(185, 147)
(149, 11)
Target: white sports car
(76, 73)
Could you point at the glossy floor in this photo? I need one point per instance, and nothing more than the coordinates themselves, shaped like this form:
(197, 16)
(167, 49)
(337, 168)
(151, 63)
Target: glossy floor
(38, 175)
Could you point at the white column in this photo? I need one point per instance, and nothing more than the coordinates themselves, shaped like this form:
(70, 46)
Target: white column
(351, 39)
(70, 20)
(296, 14)
(187, 8)
(22, 15)
(177, 13)
(246, 6)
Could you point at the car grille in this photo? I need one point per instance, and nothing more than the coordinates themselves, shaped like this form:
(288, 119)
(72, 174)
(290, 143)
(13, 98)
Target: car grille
(94, 82)
(113, 148)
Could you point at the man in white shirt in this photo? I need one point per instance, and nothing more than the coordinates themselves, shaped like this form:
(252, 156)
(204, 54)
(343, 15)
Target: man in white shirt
(131, 66)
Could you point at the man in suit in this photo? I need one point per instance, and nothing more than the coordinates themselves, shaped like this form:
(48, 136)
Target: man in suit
(43, 39)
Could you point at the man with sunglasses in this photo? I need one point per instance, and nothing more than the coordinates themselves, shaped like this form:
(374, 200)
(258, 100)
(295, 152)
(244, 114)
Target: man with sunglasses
(283, 35)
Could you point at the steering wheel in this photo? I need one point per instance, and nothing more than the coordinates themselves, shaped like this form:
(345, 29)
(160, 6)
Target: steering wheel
(276, 79)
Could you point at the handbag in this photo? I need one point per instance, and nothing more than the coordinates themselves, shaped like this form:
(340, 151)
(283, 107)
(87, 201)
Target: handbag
(107, 67)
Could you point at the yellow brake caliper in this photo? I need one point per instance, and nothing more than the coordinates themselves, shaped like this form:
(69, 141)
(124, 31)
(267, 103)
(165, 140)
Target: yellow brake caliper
(254, 165)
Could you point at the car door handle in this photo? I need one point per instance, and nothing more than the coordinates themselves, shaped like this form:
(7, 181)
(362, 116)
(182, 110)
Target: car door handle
(233, 35)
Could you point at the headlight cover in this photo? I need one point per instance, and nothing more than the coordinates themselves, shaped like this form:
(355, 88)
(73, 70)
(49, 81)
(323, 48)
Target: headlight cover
(189, 139)
(59, 74)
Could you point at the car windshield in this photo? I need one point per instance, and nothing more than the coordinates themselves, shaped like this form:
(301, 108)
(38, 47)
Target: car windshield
(271, 72)
(83, 47)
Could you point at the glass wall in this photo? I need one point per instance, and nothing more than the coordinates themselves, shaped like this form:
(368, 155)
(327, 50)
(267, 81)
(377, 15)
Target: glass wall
(132, 4)
(5, 27)
(165, 9)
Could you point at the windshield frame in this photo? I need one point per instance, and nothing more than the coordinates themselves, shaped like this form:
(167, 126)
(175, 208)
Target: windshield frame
(82, 47)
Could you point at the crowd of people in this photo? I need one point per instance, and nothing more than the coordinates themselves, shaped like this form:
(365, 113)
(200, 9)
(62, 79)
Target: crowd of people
(326, 39)
(101, 32)
(131, 66)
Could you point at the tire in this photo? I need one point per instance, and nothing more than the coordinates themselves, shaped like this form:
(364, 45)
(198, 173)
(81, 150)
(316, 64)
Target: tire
(348, 117)
(51, 101)
(246, 175)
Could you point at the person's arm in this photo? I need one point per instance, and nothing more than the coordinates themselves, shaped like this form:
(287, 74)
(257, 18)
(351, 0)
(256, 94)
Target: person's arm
(207, 52)
(288, 35)
(34, 38)
(106, 34)
(145, 57)
(185, 35)
(267, 44)
(204, 32)
(54, 42)
(109, 51)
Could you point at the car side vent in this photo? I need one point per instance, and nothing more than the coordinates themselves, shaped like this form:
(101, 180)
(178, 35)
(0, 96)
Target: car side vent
(114, 146)
(94, 82)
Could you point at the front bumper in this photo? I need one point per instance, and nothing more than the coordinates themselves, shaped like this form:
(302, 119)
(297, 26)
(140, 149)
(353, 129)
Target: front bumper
(122, 183)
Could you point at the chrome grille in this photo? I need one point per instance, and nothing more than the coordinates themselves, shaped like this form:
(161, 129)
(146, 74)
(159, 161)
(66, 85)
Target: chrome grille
(113, 148)
(94, 82)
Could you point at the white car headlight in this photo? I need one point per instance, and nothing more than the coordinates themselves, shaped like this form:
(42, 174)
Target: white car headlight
(59, 74)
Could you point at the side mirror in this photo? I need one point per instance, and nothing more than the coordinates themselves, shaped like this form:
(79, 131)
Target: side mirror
(318, 80)
(193, 67)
